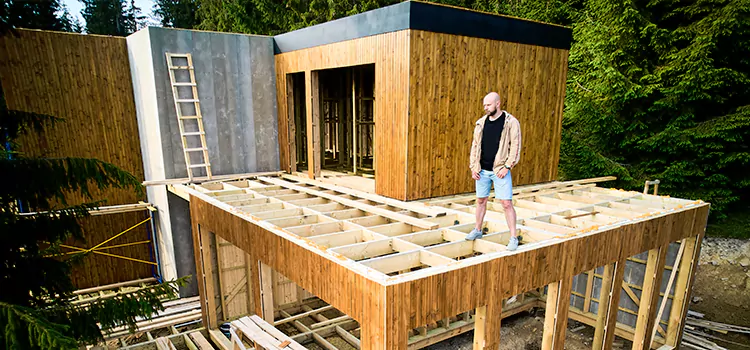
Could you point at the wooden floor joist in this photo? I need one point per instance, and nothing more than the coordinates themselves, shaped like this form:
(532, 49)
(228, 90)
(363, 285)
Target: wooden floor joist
(393, 266)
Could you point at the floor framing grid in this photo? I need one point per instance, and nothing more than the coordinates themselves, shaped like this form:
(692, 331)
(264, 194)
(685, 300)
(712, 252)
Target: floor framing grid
(394, 266)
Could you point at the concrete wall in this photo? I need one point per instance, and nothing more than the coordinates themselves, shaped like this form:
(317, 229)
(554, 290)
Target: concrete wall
(235, 76)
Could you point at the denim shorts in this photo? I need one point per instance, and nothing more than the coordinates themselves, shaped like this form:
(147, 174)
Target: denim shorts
(503, 186)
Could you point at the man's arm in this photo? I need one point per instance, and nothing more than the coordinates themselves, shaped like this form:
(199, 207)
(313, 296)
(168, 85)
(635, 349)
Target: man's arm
(514, 155)
(473, 154)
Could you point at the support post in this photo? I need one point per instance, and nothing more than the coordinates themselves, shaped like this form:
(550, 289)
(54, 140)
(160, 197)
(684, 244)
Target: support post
(354, 122)
(312, 102)
(604, 302)
(204, 262)
(291, 122)
(609, 324)
(589, 289)
(266, 292)
(681, 301)
(487, 321)
(649, 298)
(556, 315)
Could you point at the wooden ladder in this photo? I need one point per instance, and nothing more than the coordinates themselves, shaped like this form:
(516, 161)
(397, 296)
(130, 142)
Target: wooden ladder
(181, 119)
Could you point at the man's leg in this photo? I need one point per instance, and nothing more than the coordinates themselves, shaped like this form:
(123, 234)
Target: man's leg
(510, 216)
(484, 184)
(481, 210)
(504, 193)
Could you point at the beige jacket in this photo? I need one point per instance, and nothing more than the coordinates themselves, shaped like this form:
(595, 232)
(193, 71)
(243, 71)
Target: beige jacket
(509, 151)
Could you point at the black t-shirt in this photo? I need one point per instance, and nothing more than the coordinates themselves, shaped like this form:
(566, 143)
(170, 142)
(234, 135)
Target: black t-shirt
(491, 141)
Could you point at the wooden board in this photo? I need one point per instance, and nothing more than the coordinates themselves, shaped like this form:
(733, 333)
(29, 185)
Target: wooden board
(84, 79)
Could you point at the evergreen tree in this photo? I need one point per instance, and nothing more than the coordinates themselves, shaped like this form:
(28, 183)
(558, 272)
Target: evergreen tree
(176, 13)
(111, 17)
(41, 14)
(660, 89)
(35, 304)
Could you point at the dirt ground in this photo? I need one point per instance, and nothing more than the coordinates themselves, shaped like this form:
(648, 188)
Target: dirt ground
(524, 332)
(721, 292)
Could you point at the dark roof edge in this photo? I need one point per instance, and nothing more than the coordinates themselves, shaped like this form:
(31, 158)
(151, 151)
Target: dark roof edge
(428, 17)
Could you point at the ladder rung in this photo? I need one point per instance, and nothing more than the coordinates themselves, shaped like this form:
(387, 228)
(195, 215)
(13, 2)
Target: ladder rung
(195, 149)
(194, 133)
(180, 67)
(187, 100)
(183, 84)
(190, 117)
(200, 166)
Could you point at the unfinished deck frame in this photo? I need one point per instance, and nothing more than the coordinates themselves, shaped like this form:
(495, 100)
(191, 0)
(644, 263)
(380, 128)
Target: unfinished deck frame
(395, 266)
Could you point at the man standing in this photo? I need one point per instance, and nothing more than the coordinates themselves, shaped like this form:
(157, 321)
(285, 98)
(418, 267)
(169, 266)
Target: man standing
(495, 150)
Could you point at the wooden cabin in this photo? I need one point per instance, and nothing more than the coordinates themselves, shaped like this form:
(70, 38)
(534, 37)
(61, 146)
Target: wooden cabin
(394, 93)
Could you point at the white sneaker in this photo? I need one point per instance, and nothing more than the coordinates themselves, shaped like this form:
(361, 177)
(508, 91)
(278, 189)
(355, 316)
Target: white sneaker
(513, 243)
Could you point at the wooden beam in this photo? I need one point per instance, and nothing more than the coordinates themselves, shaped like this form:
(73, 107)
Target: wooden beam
(266, 291)
(311, 130)
(610, 318)
(354, 204)
(683, 287)
(203, 252)
(291, 122)
(556, 315)
(604, 301)
(589, 290)
(672, 275)
(649, 298)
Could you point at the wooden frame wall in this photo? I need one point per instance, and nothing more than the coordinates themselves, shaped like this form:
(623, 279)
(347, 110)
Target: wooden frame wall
(390, 54)
(84, 80)
(449, 75)
(283, 225)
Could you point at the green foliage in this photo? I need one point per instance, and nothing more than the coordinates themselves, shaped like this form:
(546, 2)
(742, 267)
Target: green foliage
(271, 17)
(660, 89)
(176, 13)
(112, 17)
(40, 14)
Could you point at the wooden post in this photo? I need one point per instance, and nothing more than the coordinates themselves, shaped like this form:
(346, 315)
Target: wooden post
(613, 304)
(291, 122)
(556, 316)
(312, 101)
(589, 289)
(604, 301)
(354, 122)
(683, 287)
(487, 321)
(203, 253)
(649, 298)
(266, 291)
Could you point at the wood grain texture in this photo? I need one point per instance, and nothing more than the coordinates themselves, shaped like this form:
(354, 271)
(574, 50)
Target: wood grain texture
(387, 309)
(449, 75)
(351, 293)
(390, 54)
(85, 80)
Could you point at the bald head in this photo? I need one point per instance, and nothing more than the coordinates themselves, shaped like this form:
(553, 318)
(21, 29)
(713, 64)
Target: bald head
(492, 103)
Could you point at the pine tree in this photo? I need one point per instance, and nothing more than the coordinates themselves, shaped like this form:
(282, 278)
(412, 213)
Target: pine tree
(661, 89)
(41, 14)
(35, 303)
(111, 17)
(176, 13)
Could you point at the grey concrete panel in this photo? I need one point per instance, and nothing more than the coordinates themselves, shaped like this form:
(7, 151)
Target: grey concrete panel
(233, 71)
(182, 239)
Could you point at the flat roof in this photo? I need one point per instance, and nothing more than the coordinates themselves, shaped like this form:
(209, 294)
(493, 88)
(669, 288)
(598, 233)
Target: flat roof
(427, 17)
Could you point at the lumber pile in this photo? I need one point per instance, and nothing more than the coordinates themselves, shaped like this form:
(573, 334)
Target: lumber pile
(699, 335)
